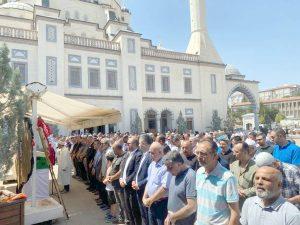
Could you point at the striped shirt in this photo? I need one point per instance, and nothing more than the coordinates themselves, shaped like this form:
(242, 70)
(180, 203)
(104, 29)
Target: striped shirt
(214, 192)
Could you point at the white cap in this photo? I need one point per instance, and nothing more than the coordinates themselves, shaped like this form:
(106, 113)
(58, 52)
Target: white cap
(264, 159)
(250, 142)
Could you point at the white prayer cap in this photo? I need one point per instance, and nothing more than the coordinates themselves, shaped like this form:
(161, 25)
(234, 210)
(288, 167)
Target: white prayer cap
(250, 142)
(264, 159)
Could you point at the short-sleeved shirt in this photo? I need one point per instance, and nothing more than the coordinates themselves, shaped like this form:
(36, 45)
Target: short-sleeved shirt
(214, 191)
(116, 166)
(182, 187)
(280, 212)
(289, 153)
(158, 176)
(290, 181)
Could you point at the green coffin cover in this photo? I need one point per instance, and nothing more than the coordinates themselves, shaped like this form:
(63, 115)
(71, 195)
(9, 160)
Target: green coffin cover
(41, 163)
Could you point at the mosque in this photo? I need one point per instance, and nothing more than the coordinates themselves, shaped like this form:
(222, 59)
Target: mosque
(86, 50)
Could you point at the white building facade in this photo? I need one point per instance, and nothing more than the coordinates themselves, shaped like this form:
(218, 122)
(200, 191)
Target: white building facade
(87, 51)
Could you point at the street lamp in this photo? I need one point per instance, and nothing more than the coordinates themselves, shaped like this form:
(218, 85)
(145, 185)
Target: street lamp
(36, 90)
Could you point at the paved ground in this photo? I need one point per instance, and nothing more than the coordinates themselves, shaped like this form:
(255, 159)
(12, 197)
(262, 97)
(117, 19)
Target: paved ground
(81, 207)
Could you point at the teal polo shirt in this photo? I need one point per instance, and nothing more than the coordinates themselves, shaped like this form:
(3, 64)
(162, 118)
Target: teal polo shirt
(289, 153)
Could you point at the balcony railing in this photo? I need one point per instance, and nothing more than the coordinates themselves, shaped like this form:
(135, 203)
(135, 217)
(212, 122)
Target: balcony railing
(18, 33)
(90, 42)
(170, 55)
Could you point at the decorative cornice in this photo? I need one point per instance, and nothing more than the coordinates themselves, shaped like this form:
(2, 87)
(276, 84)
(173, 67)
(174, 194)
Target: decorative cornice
(69, 21)
(104, 97)
(50, 19)
(243, 81)
(114, 22)
(47, 8)
(126, 33)
(172, 99)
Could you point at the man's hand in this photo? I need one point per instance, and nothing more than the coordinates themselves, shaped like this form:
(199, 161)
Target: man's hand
(134, 186)
(122, 183)
(148, 202)
(167, 220)
(170, 219)
(242, 193)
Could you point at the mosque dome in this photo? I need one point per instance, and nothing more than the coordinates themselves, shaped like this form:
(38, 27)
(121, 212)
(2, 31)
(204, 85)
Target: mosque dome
(231, 70)
(17, 5)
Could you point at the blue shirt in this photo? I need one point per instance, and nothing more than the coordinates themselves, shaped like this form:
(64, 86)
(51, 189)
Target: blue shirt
(158, 176)
(280, 212)
(289, 153)
(214, 191)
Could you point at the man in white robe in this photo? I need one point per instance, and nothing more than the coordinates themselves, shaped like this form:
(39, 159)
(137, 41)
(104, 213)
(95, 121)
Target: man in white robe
(64, 166)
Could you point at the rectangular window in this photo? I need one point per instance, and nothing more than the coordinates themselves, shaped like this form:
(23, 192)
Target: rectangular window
(22, 69)
(132, 78)
(45, 3)
(165, 69)
(188, 85)
(51, 33)
(149, 68)
(213, 83)
(131, 45)
(94, 78)
(74, 76)
(111, 79)
(150, 82)
(111, 63)
(165, 83)
(51, 70)
(190, 123)
(112, 15)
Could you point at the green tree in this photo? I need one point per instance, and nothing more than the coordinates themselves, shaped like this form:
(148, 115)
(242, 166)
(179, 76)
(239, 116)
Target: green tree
(12, 110)
(216, 121)
(230, 120)
(267, 115)
(181, 124)
(279, 117)
(136, 126)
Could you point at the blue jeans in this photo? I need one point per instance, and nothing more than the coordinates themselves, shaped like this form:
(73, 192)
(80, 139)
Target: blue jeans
(158, 212)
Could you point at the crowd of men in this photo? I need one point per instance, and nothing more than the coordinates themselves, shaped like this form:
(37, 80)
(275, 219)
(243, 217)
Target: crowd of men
(203, 179)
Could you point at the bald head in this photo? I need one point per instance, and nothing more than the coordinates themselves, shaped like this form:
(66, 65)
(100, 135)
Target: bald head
(268, 182)
(157, 151)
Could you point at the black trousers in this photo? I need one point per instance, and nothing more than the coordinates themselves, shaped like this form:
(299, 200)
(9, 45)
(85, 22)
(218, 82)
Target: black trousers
(102, 193)
(143, 209)
(132, 206)
(67, 188)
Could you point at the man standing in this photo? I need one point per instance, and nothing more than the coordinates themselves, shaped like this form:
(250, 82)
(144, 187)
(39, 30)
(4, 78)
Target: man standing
(64, 166)
(156, 191)
(217, 194)
(244, 170)
(129, 172)
(188, 156)
(182, 203)
(290, 176)
(115, 173)
(284, 150)
(269, 207)
(162, 140)
(140, 180)
(263, 146)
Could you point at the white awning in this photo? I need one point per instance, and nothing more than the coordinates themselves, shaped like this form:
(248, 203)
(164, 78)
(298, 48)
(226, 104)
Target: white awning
(72, 114)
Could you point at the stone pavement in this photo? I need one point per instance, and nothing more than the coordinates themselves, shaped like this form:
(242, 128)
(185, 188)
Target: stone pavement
(81, 207)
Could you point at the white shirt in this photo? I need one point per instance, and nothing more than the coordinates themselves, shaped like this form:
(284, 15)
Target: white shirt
(126, 166)
(139, 169)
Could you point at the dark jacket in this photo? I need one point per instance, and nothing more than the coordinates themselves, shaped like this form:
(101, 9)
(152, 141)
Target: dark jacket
(132, 167)
(142, 175)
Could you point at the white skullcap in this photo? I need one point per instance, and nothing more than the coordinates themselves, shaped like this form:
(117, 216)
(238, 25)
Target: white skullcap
(250, 142)
(264, 159)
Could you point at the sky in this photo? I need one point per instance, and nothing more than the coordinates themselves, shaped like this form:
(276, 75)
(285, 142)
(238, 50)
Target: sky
(259, 37)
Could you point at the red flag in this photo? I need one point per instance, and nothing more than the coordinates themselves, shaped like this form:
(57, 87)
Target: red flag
(48, 134)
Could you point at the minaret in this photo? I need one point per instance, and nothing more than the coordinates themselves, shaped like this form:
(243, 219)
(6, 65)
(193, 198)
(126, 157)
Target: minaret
(200, 43)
